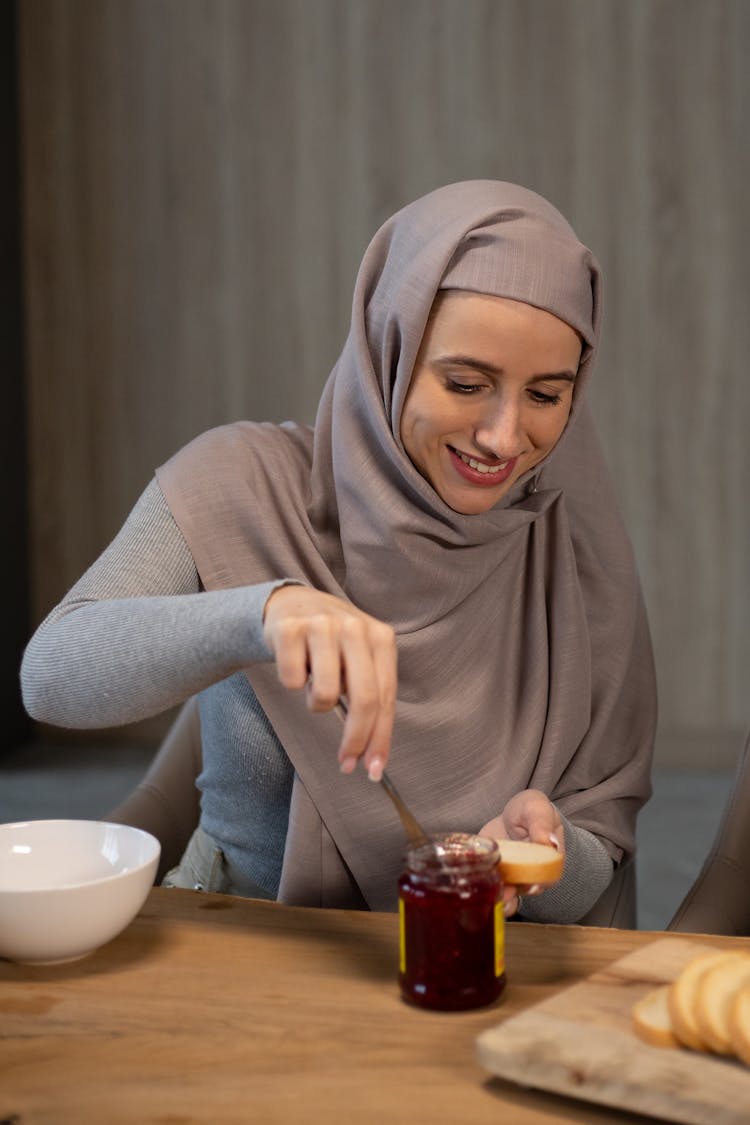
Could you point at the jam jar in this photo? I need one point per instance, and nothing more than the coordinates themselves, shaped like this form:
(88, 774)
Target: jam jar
(451, 923)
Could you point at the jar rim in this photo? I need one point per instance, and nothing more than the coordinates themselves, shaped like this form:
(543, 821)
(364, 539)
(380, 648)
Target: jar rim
(453, 851)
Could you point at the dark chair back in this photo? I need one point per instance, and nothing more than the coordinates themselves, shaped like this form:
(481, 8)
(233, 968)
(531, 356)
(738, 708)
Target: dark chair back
(719, 900)
(617, 906)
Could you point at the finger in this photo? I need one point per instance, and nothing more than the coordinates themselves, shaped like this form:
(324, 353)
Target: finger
(542, 830)
(325, 660)
(511, 906)
(495, 828)
(288, 643)
(362, 692)
(385, 657)
(539, 819)
(370, 659)
(554, 837)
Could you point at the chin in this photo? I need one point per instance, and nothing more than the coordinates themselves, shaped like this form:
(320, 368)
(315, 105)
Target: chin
(475, 505)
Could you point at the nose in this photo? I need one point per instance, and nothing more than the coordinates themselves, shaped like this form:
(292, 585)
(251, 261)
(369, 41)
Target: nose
(499, 432)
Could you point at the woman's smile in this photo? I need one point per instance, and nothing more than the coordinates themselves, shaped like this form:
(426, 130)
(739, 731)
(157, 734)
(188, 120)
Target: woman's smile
(480, 471)
(490, 395)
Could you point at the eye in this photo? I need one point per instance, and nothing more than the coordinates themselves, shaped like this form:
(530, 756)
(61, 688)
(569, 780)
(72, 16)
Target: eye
(457, 386)
(544, 398)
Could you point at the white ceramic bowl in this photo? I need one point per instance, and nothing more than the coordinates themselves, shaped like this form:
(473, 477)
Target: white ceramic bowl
(69, 886)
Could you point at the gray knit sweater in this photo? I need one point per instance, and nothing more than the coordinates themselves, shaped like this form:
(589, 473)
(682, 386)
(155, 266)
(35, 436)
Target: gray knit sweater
(137, 635)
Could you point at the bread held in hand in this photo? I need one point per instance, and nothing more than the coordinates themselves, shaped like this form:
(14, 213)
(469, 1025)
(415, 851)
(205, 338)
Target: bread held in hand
(523, 864)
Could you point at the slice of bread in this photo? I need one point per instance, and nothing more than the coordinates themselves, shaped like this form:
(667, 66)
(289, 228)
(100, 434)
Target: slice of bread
(706, 1007)
(739, 1023)
(714, 994)
(523, 863)
(682, 998)
(651, 1019)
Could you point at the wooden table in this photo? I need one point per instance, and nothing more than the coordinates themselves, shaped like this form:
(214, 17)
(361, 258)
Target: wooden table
(215, 1009)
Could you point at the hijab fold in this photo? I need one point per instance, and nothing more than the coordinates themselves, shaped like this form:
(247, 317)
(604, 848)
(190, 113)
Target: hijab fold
(524, 654)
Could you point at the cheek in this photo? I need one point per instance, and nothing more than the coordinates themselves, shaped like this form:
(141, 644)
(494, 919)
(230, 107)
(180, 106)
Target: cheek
(406, 427)
(548, 429)
(418, 420)
(412, 431)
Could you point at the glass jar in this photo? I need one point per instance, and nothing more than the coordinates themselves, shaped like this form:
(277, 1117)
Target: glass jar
(451, 923)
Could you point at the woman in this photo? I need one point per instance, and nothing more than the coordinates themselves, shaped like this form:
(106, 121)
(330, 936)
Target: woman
(443, 547)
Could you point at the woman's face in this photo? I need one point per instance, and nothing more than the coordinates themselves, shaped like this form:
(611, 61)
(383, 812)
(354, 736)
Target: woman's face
(490, 395)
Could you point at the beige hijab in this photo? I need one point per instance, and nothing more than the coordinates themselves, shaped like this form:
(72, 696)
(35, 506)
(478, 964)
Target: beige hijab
(524, 655)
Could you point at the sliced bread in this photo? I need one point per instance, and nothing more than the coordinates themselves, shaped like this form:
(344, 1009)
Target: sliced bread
(714, 994)
(739, 1023)
(651, 1019)
(682, 999)
(523, 863)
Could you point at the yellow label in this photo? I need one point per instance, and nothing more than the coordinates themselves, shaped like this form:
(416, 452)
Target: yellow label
(499, 940)
(401, 937)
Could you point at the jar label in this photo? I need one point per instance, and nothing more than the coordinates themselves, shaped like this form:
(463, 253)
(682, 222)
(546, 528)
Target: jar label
(499, 939)
(401, 937)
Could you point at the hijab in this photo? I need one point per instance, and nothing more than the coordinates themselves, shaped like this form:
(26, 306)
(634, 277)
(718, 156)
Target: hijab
(523, 648)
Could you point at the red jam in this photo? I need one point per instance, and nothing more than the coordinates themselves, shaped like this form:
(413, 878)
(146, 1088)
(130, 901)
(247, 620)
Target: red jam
(451, 923)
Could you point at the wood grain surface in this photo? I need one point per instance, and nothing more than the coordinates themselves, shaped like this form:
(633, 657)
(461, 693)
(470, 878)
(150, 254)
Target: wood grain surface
(216, 1009)
(580, 1042)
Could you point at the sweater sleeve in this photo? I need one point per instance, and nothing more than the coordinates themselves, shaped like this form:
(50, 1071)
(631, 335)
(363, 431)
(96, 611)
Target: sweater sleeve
(587, 874)
(136, 634)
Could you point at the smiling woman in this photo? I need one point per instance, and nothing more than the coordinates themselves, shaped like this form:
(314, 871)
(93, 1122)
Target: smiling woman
(443, 546)
(490, 395)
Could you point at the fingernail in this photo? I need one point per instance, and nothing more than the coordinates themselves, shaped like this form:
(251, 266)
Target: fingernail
(534, 889)
(554, 841)
(348, 765)
(510, 908)
(375, 772)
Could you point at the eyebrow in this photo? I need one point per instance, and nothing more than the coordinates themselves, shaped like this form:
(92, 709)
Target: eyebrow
(487, 368)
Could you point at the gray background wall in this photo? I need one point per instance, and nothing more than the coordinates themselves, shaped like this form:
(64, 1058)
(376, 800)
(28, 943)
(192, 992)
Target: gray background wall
(202, 176)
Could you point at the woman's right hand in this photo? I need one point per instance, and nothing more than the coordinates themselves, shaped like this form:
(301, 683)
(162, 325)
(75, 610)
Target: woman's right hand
(329, 647)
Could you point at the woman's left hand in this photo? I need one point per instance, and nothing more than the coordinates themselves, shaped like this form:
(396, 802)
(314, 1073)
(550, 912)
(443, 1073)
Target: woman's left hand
(529, 815)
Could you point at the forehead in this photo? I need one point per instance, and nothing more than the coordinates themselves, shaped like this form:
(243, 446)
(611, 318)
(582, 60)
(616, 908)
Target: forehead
(482, 320)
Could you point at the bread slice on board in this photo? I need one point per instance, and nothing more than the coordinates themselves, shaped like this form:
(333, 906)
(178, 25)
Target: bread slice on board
(714, 994)
(739, 1023)
(683, 996)
(651, 1019)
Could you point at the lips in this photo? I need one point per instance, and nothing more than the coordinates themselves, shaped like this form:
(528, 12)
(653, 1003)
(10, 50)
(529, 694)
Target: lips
(479, 471)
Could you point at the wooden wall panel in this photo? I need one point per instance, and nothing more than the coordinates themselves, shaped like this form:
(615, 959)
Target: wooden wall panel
(202, 176)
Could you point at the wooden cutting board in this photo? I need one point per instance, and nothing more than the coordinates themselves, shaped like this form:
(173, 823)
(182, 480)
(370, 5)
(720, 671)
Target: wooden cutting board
(580, 1043)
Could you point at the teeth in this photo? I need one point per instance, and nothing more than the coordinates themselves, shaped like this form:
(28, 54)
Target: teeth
(479, 466)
